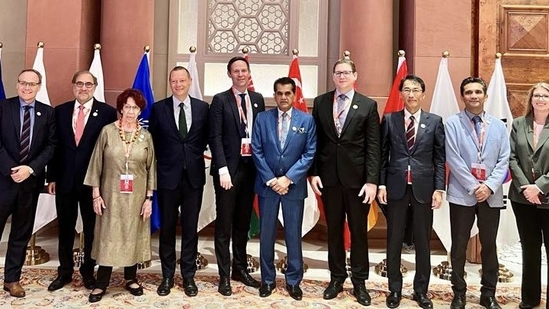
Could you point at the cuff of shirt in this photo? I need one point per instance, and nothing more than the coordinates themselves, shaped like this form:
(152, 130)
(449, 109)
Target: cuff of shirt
(268, 183)
(224, 170)
(384, 187)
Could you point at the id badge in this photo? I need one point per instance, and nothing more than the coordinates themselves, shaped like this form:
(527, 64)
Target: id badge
(126, 183)
(246, 147)
(479, 171)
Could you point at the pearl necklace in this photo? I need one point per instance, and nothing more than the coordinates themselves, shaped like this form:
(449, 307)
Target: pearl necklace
(134, 135)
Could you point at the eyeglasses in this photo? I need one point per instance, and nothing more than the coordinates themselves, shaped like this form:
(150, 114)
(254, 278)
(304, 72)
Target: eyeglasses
(130, 107)
(27, 84)
(412, 90)
(543, 97)
(82, 84)
(343, 73)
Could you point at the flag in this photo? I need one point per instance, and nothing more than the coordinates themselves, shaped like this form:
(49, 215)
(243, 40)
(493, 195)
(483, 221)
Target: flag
(311, 211)
(96, 68)
(193, 71)
(444, 104)
(394, 101)
(498, 106)
(38, 65)
(142, 82)
(254, 221)
(2, 92)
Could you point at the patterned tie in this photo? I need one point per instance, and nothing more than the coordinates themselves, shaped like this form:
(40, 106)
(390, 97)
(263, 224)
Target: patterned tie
(79, 124)
(182, 121)
(478, 125)
(284, 131)
(341, 100)
(25, 135)
(411, 133)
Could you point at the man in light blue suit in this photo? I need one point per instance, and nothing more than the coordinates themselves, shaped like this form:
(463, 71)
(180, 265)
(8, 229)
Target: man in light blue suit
(477, 154)
(283, 147)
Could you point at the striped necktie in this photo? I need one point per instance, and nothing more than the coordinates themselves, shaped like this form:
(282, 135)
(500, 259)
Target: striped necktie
(24, 150)
(411, 133)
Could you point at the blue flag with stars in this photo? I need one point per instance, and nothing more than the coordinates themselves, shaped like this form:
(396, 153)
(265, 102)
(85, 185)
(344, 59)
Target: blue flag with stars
(2, 92)
(142, 82)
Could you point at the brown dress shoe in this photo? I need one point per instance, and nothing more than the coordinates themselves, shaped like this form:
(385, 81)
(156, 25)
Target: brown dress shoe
(15, 289)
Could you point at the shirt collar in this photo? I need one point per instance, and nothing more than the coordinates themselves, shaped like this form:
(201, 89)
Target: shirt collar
(289, 112)
(186, 101)
(471, 115)
(87, 105)
(23, 103)
(416, 115)
(349, 94)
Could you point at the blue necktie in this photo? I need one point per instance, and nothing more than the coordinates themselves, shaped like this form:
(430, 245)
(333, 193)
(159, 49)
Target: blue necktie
(478, 125)
(284, 131)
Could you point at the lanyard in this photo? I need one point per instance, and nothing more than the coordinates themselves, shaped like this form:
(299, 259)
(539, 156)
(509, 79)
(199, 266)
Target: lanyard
(480, 140)
(337, 114)
(243, 117)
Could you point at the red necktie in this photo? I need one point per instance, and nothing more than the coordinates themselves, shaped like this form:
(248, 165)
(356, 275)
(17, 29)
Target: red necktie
(411, 134)
(80, 119)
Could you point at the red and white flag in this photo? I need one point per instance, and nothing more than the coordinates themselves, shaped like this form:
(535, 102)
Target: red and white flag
(394, 101)
(96, 68)
(251, 81)
(38, 65)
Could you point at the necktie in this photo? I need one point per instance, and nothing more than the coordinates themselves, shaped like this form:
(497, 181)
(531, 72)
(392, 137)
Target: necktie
(341, 100)
(245, 112)
(478, 125)
(79, 124)
(284, 131)
(25, 135)
(411, 133)
(182, 121)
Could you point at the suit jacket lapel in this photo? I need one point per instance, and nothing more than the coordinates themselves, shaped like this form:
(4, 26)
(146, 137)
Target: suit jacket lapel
(326, 111)
(16, 114)
(294, 123)
(469, 127)
(529, 132)
(168, 111)
(544, 134)
(398, 122)
(423, 125)
(39, 118)
(92, 120)
(232, 105)
(353, 108)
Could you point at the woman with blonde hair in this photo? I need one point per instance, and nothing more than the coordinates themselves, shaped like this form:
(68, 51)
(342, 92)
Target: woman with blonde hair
(122, 172)
(529, 191)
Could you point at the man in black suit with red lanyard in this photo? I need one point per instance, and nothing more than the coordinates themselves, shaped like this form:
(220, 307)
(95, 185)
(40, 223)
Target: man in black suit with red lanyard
(179, 127)
(412, 182)
(79, 123)
(232, 115)
(27, 144)
(346, 173)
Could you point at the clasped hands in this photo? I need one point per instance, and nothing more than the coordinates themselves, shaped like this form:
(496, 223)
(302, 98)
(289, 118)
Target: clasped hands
(20, 173)
(531, 193)
(280, 185)
(482, 192)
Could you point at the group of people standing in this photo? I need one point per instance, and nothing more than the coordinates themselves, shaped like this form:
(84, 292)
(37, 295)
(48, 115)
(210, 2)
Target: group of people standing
(108, 167)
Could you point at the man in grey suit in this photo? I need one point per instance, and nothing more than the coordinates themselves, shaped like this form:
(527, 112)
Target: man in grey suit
(477, 153)
(412, 182)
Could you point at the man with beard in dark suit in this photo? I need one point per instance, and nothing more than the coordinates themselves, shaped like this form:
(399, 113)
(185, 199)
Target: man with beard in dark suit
(79, 123)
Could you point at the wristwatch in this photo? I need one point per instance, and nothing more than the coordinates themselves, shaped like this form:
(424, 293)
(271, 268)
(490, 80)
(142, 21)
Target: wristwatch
(149, 197)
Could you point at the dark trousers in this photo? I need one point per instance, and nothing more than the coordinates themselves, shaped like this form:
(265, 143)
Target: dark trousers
(292, 212)
(190, 200)
(104, 275)
(19, 201)
(461, 222)
(398, 214)
(233, 209)
(67, 214)
(533, 228)
(342, 203)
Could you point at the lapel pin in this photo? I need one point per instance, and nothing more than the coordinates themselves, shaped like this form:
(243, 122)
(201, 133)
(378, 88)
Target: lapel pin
(422, 126)
(355, 106)
(255, 105)
(38, 114)
(294, 129)
(94, 114)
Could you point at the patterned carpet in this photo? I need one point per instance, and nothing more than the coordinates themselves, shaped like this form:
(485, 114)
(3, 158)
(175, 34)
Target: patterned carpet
(35, 281)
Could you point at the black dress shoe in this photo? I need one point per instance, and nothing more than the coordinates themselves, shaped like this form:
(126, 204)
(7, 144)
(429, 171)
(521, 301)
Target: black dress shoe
(59, 282)
(244, 277)
(294, 291)
(93, 298)
(361, 294)
(458, 302)
(165, 287)
(138, 291)
(393, 299)
(524, 305)
(266, 289)
(422, 300)
(89, 282)
(190, 287)
(335, 287)
(224, 287)
(489, 302)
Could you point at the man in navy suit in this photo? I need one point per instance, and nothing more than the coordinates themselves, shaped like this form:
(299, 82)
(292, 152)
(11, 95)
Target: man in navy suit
(283, 144)
(232, 116)
(27, 144)
(79, 123)
(346, 173)
(412, 181)
(477, 153)
(179, 127)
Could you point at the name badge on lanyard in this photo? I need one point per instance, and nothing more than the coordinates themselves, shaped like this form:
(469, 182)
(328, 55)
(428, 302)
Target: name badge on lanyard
(126, 183)
(246, 147)
(479, 171)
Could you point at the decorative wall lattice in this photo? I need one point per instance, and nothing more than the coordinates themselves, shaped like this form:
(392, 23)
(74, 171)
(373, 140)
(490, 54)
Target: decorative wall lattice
(260, 25)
